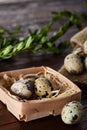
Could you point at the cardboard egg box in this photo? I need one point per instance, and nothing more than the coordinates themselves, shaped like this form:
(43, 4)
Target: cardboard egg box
(26, 110)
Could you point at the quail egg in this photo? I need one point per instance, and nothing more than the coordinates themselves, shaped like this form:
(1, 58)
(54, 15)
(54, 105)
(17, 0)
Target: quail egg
(72, 112)
(43, 87)
(85, 47)
(73, 64)
(23, 88)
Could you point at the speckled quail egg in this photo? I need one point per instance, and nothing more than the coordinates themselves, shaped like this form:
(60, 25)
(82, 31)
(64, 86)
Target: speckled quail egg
(43, 87)
(73, 64)
(72, 112)
(85, 47)
(22, 88)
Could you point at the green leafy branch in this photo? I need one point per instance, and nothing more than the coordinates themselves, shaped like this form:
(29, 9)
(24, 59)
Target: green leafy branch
(38, 40)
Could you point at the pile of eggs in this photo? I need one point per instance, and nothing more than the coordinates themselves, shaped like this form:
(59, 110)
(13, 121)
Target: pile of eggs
(31, 84)
(76, 61)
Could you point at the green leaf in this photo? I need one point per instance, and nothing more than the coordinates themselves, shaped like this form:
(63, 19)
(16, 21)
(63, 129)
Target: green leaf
(49, 44)
(84, 16)
(45, 29)
(36, 48)
(61, 31)
(59, 15)
(43, 40)
(1, 31)
(32, 33)
(6, 50)
(63, 46)
(16, 31)
(18, 47)
(85, 3)
(28, 42)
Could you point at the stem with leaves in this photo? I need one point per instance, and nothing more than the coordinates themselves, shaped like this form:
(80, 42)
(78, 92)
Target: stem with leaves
(38, 40)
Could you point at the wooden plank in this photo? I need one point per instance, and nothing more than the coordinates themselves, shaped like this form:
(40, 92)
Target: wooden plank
(34, 14)
(6, 117)
(11, 126)
(2, 106)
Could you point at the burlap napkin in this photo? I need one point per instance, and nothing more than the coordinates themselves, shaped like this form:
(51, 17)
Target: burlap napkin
(77, 41)
(79, 38)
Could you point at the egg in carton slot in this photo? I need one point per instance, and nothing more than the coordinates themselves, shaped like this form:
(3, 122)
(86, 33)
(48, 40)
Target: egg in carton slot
(36, 92)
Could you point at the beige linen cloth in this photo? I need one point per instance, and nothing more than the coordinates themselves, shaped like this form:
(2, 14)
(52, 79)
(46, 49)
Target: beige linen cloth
(77, 41)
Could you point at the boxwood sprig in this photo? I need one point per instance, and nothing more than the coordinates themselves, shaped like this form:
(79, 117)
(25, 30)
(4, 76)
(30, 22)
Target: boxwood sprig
(38, 39)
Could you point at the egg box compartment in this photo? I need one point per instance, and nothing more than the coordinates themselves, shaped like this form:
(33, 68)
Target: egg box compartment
(26, 110)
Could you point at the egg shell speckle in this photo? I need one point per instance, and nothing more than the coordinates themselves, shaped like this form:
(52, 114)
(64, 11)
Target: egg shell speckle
(43, 87)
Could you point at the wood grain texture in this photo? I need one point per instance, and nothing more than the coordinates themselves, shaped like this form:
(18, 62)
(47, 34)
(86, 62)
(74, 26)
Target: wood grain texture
(35, 14)
(12, 1)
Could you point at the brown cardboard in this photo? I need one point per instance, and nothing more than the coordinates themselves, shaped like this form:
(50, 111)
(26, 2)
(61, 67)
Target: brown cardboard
(33, 109)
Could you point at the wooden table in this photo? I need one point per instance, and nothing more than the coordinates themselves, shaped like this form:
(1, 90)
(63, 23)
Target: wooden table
(35, 14)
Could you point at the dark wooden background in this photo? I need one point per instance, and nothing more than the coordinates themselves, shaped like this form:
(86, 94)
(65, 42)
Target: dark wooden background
(35, 14)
